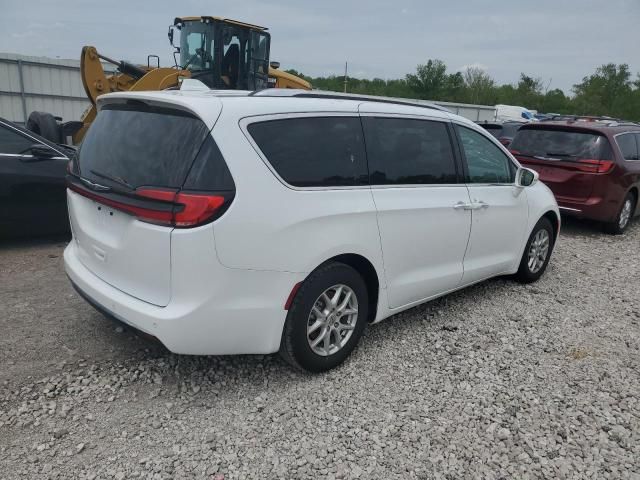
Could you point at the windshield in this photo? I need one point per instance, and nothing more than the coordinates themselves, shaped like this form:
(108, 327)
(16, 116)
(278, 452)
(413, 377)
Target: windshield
(561, 144)
(197, 41)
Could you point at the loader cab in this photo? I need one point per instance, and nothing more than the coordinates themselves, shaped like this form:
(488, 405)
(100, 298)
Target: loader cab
(221, 53)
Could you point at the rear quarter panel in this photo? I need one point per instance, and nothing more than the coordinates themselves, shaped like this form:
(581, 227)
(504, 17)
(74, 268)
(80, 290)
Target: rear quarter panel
(272, 226)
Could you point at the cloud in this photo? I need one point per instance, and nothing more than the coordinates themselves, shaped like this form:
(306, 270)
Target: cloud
(545, 38)
(480, 66)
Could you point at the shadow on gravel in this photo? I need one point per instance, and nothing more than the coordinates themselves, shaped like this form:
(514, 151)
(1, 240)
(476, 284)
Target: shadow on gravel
(577, 227)
(15, 243)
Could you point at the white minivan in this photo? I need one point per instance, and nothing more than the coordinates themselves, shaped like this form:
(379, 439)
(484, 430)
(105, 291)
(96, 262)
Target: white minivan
(228, 223)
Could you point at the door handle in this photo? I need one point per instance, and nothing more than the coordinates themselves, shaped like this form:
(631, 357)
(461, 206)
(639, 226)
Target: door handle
(475, 205)
(463, 206)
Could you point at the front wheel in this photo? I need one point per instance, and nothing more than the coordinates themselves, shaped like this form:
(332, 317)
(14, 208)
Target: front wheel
(537, 252)
(620, 224)
(326, 318)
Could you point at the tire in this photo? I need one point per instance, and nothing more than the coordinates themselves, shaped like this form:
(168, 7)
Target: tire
(624, 216)
(45, 125)
(296, 345)
(530, 271)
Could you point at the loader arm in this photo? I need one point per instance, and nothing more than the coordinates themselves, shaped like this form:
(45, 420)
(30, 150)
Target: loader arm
(129, 78)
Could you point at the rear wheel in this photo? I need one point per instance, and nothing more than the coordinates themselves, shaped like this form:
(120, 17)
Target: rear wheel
(537, 252)
(620, 224)
(326, 318)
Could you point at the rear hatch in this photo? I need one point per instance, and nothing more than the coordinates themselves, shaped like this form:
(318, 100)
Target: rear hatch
(567, 158)
(141, 172)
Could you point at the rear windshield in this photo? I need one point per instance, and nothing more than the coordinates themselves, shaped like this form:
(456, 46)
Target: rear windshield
(494, 130)
(510, 129)
(140, 145)
(561, 144)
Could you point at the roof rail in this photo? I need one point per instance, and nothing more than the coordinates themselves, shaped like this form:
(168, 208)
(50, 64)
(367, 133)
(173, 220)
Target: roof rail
(298, 93)
(601, 119)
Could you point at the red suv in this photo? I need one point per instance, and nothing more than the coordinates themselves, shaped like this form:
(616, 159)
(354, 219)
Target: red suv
(592, 165)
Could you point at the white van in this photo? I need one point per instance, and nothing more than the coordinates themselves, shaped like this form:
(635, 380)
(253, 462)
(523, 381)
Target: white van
(506, 113)
(289, 220)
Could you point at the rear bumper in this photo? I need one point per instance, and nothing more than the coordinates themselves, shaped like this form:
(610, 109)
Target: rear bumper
(594, 208)
(243, 311)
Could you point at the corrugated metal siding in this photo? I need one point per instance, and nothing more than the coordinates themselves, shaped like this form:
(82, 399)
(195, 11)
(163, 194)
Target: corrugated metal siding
(49, 85)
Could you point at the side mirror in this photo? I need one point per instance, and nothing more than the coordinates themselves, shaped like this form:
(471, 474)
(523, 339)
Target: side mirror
(525, 177)
(170, 35)
(274, 65)
(41, 152)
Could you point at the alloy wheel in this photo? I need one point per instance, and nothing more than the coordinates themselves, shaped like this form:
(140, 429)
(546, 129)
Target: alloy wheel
(625, 214)
(538, 251)
(332, 320)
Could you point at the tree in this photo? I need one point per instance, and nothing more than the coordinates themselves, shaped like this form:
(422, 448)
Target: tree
(429, 81)
(610, 90)
(606, 91)
(555, 101)
(480, 86)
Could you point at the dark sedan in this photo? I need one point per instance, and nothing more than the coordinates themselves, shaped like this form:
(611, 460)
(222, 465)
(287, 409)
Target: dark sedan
(33, 197)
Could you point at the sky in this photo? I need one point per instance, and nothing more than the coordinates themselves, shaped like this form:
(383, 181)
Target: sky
(560, 41)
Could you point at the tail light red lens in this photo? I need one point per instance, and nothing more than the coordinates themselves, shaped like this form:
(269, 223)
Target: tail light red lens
(595, 166)
(190, 209)
(172, 208)
(197, 208)
(505, 141)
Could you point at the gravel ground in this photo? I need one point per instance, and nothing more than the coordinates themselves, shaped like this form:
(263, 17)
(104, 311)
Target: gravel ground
(499, 381)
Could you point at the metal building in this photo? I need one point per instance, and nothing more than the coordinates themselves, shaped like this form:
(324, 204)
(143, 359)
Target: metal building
(51, 85)
(43, 84)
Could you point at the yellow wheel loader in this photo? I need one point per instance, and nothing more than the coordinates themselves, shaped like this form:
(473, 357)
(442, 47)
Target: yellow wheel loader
(221, 53)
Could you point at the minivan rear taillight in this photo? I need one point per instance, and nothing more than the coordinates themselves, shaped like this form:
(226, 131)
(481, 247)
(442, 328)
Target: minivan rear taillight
(161, 207)
(595, 166)
(191, 209)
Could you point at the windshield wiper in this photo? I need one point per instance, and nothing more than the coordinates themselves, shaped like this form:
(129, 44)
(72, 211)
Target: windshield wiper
(560, 154)
(118, 180)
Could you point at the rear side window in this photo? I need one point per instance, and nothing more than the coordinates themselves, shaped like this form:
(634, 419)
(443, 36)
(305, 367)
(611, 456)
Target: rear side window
(561, 144)
(314, 151)
(628, 144)
(140, 145)
(407, 151)
(13, 143)
(209, 171)
(485, 161)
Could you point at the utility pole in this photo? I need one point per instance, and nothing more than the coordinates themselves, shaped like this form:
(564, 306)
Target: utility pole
(345, 77)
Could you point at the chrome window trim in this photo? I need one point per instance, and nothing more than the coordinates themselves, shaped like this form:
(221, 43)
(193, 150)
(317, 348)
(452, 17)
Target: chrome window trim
(387, 186)
(407, 116)
(15, 155)
(19, 155)
(633, 132)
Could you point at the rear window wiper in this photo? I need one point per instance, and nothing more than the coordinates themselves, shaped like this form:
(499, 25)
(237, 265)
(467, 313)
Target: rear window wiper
(114, 179)
(560, 154)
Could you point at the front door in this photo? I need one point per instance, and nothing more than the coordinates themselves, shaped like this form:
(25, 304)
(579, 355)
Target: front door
(500, 209)
(32, 191)
(416, 191)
